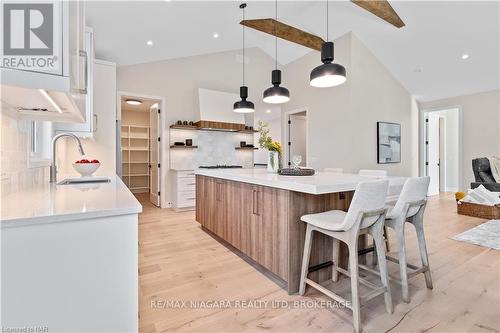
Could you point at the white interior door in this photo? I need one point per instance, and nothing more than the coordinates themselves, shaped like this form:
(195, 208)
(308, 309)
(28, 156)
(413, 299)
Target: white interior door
(433, 153)
(154, 160)
(297, 137)
(442, 154)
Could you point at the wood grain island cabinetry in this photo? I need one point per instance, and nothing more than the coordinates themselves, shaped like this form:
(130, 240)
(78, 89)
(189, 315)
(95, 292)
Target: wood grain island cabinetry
(262, 224)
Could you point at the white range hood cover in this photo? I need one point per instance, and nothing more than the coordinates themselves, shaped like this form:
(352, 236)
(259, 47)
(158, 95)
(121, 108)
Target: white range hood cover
(218, 106)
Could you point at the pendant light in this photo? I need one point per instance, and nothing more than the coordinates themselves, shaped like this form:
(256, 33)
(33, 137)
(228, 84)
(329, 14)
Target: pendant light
(243, 106)
(328, 74)
(276, 94)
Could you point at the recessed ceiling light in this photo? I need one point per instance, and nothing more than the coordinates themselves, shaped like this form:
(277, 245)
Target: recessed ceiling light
(133, 102)
(268, 111)
(149, 42)
(216, 35)
(465, 56)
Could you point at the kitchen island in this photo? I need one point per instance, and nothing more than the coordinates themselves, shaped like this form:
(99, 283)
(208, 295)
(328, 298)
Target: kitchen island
(257, 215)
(70, 257)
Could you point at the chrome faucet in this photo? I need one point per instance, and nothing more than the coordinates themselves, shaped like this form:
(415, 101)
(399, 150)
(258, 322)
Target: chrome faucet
(53, 168)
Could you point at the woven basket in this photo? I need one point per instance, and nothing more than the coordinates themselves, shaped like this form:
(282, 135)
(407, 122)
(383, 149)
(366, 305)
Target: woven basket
(296, 172)
(476, 210)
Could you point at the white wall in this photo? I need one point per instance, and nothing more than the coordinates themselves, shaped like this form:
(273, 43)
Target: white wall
(178, 81)
(480, 127)
(14, 146)
(342, 120)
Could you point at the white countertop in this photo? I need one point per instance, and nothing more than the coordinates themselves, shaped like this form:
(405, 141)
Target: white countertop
(320, 183)
(48, 203)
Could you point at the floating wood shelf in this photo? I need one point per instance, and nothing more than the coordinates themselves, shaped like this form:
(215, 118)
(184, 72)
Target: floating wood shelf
(183, 147)
(196, 128)
(185, 127)
(246, 148)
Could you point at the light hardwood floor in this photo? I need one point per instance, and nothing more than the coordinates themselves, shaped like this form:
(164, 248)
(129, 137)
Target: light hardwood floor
(180, 262)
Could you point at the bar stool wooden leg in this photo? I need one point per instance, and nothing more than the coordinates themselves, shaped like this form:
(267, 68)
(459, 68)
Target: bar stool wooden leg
(305, 260)
(335, 258)
(386, 244)
(400, 235)
(419, 228)
(382, 265)
(353, 271)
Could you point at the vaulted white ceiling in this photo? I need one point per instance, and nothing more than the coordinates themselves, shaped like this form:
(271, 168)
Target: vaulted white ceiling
(425, 56)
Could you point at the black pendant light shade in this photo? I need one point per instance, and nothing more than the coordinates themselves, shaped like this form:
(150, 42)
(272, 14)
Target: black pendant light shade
(328, 74)
(276, 94)
(243, 106)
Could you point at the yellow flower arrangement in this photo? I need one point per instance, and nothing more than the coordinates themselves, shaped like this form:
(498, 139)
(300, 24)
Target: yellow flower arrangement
(266, 142)
(275, 146)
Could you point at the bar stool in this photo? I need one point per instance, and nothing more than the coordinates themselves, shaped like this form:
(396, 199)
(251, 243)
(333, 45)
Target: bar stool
(366, 214)
(377, 174)
(410, 208)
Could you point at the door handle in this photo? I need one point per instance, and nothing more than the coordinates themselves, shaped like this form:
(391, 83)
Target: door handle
(255, 202)
(218, 190)
(83, 90)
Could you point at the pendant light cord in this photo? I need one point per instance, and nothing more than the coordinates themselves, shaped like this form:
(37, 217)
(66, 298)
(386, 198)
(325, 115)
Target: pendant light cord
(243, 62)
(327, 36)
(275, 37)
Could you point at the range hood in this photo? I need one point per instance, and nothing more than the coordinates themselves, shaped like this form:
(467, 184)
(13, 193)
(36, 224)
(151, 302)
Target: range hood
(27, 102)
(216, 111)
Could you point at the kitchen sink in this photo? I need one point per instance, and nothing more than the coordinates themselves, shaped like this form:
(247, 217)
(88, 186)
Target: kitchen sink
(83, 180)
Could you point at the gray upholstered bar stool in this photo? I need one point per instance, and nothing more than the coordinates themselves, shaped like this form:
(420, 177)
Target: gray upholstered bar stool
(366, 214)
(410, 208)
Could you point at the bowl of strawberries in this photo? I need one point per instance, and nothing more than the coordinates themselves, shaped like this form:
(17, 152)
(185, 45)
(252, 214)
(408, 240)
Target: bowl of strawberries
(86, 167)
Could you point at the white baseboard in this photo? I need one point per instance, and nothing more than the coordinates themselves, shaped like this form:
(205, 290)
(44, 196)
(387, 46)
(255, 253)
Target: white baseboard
(451, 189)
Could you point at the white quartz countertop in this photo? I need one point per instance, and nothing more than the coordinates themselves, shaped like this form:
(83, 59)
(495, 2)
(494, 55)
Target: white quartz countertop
(48, 203)
(320, 183)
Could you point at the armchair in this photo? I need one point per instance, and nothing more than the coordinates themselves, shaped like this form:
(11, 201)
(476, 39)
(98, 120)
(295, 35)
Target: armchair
(483, 175)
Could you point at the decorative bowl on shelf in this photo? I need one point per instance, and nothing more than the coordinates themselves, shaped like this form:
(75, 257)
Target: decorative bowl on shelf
(86, 168)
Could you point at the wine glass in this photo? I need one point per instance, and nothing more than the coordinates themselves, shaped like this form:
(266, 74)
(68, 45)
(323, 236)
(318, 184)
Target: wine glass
(296, 159)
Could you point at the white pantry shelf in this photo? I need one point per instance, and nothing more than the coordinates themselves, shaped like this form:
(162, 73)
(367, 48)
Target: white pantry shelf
(135, 161)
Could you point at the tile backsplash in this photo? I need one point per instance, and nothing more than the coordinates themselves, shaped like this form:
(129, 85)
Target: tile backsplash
(15, 173)
(213, 148)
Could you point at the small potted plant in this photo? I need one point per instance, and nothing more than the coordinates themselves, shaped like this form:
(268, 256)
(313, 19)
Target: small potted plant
(274, 147)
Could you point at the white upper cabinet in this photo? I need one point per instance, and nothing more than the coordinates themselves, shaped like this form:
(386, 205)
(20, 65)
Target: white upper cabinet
(87, 128)
(78, 54)
(45, 61)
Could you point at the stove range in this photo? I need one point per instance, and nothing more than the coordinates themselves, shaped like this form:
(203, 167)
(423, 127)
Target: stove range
(221, 167)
